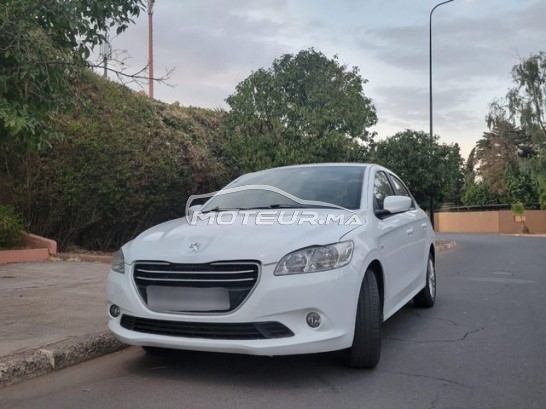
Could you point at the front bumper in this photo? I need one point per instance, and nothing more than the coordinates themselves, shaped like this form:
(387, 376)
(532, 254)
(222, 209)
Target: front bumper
(283, 299)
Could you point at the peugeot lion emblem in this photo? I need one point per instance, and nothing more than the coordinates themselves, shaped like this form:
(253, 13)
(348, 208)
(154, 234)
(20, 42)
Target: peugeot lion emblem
(194, 247)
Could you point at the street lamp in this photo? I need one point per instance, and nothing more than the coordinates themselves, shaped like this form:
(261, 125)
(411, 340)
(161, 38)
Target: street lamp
(431, 205)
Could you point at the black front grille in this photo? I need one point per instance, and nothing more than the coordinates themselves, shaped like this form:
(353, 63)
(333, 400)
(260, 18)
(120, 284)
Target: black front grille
(237, 278)
(247, 330)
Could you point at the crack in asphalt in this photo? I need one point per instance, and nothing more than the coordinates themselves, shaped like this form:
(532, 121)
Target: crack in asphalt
(435, 318)
(434, 378)
(427, 341)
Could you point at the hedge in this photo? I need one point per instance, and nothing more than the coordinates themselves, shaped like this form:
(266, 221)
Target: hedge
(126, 163)
(11, 224)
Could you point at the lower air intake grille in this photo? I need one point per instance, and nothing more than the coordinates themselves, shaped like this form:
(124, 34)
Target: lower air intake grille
(251, 330)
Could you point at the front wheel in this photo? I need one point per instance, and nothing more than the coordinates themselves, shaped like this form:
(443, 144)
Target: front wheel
(427, 296)
(366, 349)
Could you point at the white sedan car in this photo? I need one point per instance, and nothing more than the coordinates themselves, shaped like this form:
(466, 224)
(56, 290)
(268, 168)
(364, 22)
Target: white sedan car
(292, 260)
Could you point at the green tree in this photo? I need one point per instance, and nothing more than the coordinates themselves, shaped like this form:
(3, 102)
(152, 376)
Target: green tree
(500, 148)
(469, 172)
(427, 167)
(43, 45)
(522, 187)
(527, 100)
(510, 158)
(542, 190)
(305, 108)
(479, 194)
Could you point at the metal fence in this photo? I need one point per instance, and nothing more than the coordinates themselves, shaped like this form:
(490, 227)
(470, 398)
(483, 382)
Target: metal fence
(486, 208)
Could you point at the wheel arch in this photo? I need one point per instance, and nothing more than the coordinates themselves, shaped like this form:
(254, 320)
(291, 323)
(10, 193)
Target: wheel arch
(377, 269)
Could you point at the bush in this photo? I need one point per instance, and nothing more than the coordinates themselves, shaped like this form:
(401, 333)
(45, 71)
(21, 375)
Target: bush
(518, 209)
(11, 225)
(126, 163)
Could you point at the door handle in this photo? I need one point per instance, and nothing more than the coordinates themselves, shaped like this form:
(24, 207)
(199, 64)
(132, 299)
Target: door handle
(424, 226)
(409, 232)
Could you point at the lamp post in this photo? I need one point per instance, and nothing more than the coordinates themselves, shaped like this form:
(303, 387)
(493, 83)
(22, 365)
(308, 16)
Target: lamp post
(431, 204)
(151, 48)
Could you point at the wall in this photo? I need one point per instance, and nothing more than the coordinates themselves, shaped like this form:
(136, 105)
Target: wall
(489, 222)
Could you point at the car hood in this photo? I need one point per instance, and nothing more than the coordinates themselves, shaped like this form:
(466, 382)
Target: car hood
(178, 241)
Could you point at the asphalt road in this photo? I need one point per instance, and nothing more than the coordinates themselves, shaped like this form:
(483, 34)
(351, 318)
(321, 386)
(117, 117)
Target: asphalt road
(483, 345)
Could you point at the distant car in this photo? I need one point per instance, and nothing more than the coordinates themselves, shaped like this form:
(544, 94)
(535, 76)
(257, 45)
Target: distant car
(292, 260)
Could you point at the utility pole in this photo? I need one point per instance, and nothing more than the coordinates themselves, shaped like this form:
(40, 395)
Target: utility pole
(431, 203)
(151, 48)
(105, 51)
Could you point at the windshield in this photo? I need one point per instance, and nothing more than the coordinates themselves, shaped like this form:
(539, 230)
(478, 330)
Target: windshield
(334, 185)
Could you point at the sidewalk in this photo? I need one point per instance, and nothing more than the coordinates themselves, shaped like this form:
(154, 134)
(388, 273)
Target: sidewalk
(53, 315)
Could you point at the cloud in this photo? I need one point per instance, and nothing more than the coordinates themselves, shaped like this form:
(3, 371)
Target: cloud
(474, 49)
(215, 44)
(469, 47)
(211, 48)
(408, 107)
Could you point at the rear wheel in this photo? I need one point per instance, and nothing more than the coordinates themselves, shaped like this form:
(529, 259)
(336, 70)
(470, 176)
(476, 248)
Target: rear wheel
(427, 296)
(366, 349)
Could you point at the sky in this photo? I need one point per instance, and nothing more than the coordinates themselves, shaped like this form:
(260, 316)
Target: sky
(212, 45)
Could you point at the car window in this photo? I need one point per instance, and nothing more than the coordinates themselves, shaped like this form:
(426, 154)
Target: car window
(399, 188)
(381, 189)
(336, 185)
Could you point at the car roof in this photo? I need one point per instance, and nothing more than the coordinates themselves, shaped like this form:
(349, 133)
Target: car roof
(366, 165)
(327, 164)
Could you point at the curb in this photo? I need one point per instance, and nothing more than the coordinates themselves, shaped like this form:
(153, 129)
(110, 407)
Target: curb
(41, 242)
(29, 364)
(39, 249)
(23, 256)
(88, 258)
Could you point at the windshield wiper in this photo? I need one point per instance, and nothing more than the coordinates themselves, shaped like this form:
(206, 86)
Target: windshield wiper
(271, 206)
(283, 206)
(220, 209)
(295, 206)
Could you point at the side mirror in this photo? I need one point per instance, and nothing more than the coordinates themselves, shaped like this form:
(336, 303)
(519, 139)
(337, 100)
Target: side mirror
(397, 204)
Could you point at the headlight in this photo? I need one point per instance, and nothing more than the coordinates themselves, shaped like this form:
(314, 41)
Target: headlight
(314, 259)
(118, 262)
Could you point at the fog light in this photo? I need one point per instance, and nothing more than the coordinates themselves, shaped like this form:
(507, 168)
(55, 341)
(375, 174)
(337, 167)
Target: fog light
(313, 319)
(114, 311)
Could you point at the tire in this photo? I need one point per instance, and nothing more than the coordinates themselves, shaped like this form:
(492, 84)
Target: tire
(427, 296)
(366, 349)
